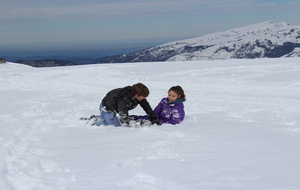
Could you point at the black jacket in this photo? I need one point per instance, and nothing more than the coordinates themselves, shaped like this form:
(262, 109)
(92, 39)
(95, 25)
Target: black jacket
(120, 101)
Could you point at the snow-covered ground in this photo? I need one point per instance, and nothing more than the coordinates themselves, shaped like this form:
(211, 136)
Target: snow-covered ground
(241, 131)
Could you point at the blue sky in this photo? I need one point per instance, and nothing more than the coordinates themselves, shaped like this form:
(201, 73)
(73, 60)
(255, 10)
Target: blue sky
(25, 22)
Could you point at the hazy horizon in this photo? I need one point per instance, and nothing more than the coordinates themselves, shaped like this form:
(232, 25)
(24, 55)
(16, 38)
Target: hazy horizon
(93, 49)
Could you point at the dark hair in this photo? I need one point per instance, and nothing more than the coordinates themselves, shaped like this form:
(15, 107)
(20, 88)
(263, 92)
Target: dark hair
(139, 89)
(178, 90)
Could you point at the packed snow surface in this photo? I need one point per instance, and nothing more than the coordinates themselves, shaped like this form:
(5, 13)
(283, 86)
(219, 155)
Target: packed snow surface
(241, 131)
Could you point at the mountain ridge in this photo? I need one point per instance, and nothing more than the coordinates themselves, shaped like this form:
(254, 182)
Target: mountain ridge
(265, 39)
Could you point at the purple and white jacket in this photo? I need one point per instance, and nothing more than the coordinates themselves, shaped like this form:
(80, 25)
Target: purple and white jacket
(166, 113)
(172, 113)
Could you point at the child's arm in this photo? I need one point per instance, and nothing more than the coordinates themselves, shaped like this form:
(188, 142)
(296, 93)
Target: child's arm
(147, 108)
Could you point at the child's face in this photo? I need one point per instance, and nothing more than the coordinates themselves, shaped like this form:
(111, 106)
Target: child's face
(172, 96)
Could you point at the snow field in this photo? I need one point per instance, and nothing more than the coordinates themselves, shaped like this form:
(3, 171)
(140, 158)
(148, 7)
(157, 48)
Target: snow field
(241, 129)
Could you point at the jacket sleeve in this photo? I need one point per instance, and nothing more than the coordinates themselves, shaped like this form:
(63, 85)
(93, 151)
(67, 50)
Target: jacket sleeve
(146, 106)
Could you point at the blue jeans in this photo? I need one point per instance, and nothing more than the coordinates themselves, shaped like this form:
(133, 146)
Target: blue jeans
(107, 118)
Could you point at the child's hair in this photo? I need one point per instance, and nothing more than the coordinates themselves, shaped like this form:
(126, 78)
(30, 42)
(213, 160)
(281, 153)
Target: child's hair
(140, 89)
(178, 90)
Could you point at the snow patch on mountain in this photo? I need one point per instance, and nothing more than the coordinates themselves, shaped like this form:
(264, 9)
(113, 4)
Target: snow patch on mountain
(237, 43)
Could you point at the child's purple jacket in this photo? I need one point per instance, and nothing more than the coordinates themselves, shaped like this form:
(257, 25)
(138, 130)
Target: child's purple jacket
(172, 113)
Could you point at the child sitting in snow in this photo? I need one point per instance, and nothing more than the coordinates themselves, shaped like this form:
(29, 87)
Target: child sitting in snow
(120, 101)
(170, 110)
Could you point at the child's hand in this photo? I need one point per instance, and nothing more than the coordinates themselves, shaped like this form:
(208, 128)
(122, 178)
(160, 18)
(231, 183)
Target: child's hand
(153, 119)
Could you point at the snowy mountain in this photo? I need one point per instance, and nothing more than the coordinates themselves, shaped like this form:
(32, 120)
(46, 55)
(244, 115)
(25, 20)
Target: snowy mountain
(267, 39)
(241, 130)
